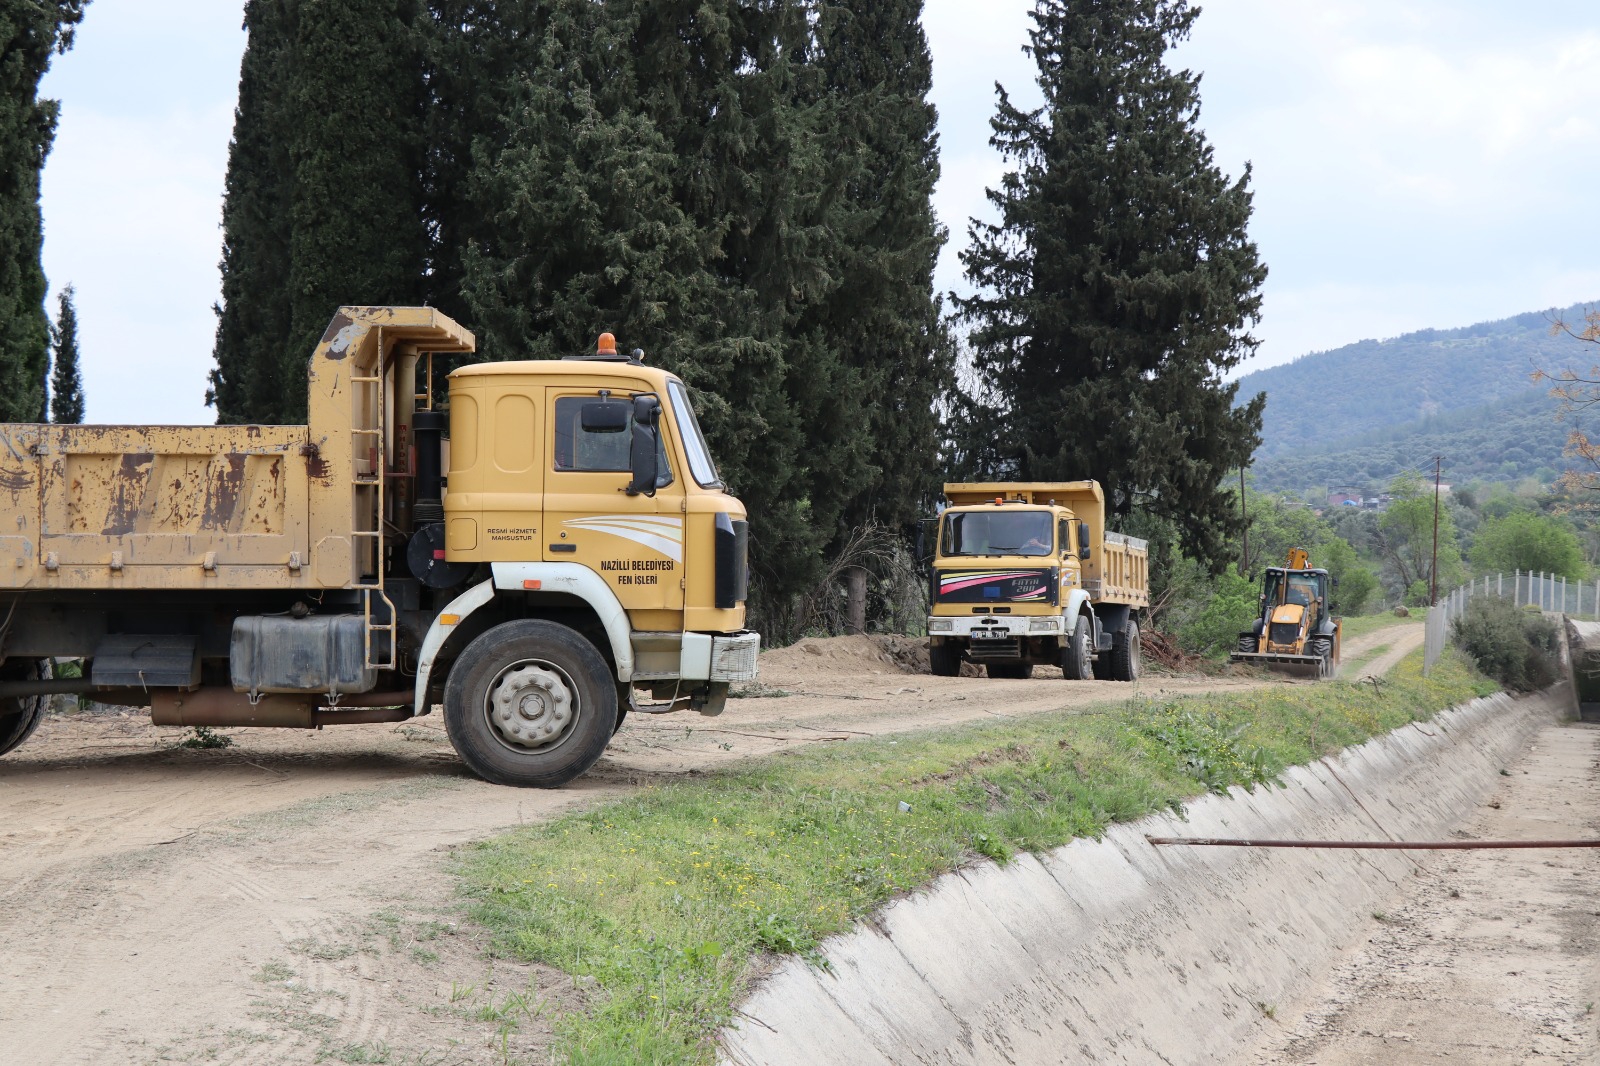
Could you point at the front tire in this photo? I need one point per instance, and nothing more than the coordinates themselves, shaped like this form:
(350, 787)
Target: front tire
(1249, 644)
(1075, 662)
(944, 659)
(1322, 648)
(531, 704)
(20, 715)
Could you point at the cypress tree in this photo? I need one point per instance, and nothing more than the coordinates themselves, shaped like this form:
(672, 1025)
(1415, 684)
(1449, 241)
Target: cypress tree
(66, 381)
(250, 382)
(653, 173)
(324, 194)
(882, 318)
(30, 32)
(357, 234)
(1118, 286)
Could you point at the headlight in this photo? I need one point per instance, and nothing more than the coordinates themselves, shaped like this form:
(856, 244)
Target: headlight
(941, 625)
(1042, 625)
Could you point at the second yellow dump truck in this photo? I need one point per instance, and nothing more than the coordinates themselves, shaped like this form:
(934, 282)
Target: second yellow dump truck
(551, 544)
(1026, 573)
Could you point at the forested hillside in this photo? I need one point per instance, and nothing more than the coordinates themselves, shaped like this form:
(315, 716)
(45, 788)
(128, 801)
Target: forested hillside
(1376, 385)
(1504, 441)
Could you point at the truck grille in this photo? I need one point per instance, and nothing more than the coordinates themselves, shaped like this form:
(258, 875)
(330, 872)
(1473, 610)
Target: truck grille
(1284, 632)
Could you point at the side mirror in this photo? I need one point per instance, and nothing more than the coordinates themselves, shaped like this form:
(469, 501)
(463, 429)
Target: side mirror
(1083, 540)
(927, 531)
(643, 454)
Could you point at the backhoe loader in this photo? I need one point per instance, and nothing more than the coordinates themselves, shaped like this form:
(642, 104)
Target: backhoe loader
(1295, 632)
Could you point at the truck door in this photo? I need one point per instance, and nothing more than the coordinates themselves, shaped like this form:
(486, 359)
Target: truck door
(634, 542)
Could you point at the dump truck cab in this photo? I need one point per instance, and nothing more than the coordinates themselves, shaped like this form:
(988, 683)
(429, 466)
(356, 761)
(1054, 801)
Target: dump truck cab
(540, 550)
(1294, 631)
(1025, 574)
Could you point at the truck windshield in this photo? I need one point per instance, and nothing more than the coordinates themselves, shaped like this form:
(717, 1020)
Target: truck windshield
(701, 467)
(997, 533)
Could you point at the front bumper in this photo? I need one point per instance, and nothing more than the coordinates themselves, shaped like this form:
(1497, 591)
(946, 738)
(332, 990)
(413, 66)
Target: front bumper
(996, 627)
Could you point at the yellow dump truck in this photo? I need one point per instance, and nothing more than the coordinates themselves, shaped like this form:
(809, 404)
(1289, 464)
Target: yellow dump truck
(532, 555)
(1026, 573)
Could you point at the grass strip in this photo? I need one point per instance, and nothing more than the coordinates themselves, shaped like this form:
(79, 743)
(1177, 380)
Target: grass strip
(1361, 625)
(668, 900)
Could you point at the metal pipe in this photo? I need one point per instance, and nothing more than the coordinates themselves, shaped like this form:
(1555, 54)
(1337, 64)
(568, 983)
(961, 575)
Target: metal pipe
(60, 686)
(1376, 845)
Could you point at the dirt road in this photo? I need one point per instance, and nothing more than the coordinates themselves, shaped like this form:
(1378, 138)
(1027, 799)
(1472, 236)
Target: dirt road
(1487, 957)
(286, 899)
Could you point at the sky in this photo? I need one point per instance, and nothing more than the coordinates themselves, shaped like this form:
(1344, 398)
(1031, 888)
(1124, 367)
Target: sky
(1416, 164)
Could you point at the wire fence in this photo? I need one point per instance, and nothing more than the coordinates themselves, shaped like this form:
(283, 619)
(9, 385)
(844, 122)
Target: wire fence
(1547, 592)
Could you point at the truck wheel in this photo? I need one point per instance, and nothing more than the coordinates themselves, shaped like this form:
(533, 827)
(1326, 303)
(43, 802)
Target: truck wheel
(1010, 671)
(944, 659)
(1125, 661)
(1249, 644)
(1075, 662)
(20, 715)
(530, 703)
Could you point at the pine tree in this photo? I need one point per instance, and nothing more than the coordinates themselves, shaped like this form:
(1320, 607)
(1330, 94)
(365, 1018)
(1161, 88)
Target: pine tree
(324, 190)
(30, 32)
(66, 381)
(1118, 286)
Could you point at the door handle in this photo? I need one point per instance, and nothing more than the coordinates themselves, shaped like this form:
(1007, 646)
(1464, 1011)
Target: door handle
(563, 547)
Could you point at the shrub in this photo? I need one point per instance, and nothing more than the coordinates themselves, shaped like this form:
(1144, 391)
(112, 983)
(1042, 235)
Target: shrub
(1515, 647)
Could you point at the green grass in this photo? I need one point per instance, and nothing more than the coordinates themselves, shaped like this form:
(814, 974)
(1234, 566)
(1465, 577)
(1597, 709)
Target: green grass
(1361, 625)
(661, 904)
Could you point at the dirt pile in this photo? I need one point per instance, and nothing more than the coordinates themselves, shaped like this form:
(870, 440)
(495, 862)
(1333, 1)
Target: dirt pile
(861, 654)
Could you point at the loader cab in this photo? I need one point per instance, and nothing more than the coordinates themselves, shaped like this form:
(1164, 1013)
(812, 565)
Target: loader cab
(1303, 588)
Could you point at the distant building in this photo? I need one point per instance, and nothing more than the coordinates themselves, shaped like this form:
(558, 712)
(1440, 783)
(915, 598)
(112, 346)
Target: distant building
(1344, 498)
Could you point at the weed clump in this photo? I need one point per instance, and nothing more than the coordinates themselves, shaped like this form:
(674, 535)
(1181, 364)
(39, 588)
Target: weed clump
(1514, 646)
(204, 737)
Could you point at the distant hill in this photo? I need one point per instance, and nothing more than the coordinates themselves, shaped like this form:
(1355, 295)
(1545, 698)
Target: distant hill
(1504, 441)
(1381, 384)
(1358, 415)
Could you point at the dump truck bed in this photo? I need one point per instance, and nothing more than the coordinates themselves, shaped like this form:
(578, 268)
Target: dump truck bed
(226, 507)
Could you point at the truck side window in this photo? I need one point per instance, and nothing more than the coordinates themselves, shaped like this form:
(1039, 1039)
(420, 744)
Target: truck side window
(1064, 537)
(577, 450)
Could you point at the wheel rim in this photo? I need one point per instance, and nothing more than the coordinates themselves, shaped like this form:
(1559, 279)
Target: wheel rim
(532, 706)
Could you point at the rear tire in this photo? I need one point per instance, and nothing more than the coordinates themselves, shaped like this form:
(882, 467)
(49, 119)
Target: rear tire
(530, 703)
(1075, 662)
(20, 715)
(1009, 671)
(944, 659)
(1125, 660)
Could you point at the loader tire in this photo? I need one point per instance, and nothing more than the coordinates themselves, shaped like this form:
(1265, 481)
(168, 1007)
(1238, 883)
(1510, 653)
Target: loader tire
(1126, 664)
(1322, 648)
(1009, 671)
(1249, 644)
(944, 659)
(530, 703)
(20, 715)
(1075, 662)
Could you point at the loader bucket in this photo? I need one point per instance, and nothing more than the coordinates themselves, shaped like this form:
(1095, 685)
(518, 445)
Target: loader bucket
(1308, 666)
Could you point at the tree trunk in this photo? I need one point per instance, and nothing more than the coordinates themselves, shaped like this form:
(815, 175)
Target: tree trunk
(856, 602)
